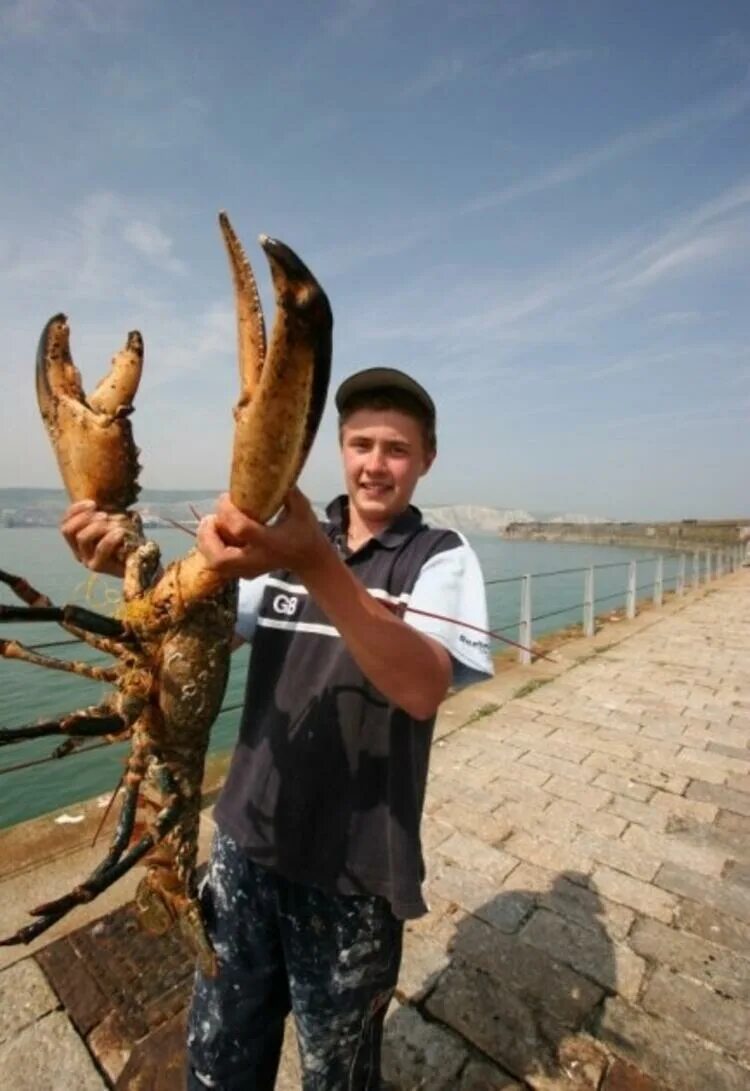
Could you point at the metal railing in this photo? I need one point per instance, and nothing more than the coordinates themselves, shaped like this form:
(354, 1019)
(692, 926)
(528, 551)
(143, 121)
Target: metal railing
(706, 565)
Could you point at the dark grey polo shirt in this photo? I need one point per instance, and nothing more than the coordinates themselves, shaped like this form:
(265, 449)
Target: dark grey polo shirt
(327, 781)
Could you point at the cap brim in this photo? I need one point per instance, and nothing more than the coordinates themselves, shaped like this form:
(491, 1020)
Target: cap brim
(382, 378)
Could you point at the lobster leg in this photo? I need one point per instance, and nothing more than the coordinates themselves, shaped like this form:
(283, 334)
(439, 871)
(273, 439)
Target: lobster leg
(23, 589)
(12, 649)
(81, 724)
(66, 615)
(107, 873)
(89, 889)
(28, 594)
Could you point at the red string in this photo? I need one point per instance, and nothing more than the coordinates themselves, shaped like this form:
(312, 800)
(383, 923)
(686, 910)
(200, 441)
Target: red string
(402, 607)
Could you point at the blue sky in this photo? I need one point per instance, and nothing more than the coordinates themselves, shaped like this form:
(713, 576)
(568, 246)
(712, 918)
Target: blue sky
(540, 209)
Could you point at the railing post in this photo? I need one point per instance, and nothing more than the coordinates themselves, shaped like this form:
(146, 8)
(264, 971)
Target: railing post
(524, 624)
(630, 596)
(681, 575)
(588, 602)
(696, 569)
(720, 563)
(659, 581)
(707, 568)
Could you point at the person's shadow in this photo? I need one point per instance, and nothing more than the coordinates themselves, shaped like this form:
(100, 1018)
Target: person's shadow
(522, 976)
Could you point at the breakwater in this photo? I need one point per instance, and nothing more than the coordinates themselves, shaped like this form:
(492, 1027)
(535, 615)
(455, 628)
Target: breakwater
(685, 534)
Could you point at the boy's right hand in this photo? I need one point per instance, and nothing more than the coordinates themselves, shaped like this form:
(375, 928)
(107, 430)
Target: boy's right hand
(95, 537)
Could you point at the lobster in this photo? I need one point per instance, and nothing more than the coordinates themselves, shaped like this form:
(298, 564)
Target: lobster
(172, 638)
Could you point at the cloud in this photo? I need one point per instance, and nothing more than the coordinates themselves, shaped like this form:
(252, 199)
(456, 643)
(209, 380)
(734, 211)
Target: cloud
(28, 18)
(731, 47)
(348, 15)
(147, 110)
(445, 70)
(83, 251)
(545, 60)
(713, 229)
(149, 240)
(679, 259)
(686, 416)
(179, 347)
(438, 73)
(339, 258)
(723, 107)
(500, 332)
(676, 318)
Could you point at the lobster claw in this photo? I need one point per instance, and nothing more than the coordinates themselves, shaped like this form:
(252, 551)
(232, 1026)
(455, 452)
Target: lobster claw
(283, 388)
(92, 437)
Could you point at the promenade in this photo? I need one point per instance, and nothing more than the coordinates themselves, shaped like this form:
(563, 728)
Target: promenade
(588, 844)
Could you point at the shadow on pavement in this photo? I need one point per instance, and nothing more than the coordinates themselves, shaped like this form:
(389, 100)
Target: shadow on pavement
(521, 977)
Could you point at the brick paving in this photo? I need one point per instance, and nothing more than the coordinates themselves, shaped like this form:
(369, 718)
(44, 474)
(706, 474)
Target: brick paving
(589, 882)
(589, 873)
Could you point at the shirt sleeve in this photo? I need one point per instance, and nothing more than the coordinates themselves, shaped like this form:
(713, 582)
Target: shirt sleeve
(248, 606)
(451, 584)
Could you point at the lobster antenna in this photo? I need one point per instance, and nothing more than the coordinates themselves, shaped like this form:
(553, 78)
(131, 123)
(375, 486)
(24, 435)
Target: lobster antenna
(179, 526)
(112, 798)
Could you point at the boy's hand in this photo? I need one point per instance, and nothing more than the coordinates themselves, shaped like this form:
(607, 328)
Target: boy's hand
(94, 537)
(235, 546)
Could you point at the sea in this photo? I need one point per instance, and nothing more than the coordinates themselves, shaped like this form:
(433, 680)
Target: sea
(29, 693)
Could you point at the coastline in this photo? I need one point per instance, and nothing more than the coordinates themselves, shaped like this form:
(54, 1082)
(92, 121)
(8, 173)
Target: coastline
(683, 536)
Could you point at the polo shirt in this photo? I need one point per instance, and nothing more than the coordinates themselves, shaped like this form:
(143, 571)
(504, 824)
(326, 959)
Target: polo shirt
(327, 781)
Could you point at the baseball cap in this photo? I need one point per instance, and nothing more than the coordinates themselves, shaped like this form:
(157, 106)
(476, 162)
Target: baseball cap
(383, 378)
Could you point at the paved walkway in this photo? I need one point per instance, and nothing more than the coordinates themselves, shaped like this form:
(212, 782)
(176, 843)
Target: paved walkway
(589, 869)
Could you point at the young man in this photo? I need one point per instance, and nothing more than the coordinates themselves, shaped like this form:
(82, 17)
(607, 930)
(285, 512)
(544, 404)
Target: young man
(317, 860)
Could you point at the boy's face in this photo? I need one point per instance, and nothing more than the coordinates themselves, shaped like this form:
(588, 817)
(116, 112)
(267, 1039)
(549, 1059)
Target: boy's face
(384, 455)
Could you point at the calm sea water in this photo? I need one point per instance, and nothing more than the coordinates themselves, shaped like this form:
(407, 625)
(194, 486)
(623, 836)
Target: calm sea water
(29, 693)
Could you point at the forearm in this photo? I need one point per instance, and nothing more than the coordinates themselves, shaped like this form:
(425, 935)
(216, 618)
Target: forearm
(408, 668)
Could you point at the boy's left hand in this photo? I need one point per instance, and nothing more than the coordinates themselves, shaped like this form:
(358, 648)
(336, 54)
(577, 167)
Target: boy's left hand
(236, 546)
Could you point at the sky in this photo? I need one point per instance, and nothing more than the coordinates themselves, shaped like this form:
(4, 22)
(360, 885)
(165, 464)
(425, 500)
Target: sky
(541, 210)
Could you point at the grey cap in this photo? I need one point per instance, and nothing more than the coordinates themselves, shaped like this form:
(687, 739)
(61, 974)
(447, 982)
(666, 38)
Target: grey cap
(383, 378)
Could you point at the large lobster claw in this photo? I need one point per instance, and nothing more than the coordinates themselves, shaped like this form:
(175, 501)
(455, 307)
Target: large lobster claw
(282, 395)
(92, 437)
(283, 390)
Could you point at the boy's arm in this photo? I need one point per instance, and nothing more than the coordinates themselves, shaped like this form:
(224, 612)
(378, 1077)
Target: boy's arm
(412, 670)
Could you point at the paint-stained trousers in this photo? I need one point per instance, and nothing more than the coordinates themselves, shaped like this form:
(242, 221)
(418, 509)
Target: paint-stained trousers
(331, 959)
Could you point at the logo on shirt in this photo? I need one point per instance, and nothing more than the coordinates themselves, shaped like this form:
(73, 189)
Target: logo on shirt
(481, 644)
(285, 604)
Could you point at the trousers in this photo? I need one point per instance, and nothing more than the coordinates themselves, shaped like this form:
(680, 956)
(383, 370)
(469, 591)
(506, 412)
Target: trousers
(331, 959)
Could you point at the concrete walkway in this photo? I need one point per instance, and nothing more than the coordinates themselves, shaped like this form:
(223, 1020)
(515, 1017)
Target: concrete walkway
(589, 877)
